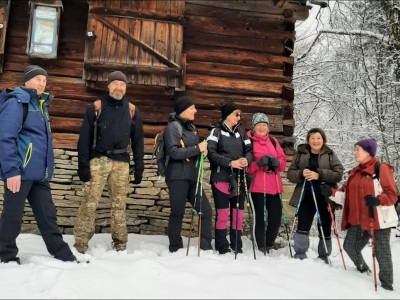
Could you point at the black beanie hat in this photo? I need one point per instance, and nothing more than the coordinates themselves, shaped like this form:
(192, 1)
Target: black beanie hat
(227, 109)
(116, 75)
(33, 71)
(320, 131)
(182, 103)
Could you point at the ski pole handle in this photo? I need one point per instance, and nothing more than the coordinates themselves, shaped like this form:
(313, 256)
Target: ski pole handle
(371, 212)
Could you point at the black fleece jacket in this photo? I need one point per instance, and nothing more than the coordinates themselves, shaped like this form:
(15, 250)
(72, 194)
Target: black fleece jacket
(114, 131)
(182, 163)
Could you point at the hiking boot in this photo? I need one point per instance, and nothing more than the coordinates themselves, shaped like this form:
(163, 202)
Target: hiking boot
(81, 247)
(174, 249)
(386, 286)
(363, 268)
(239, 250)
(12, 260)
(221, 252)
(119, 247)
(268, 250)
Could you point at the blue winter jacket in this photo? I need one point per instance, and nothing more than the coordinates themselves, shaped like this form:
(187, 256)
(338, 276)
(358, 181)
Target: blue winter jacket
(25, 147)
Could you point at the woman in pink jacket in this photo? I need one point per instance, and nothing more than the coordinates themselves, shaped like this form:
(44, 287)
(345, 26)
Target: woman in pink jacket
(268, 161)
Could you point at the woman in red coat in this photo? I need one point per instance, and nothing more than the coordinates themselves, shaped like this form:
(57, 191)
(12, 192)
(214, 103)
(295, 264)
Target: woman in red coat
(359, 197)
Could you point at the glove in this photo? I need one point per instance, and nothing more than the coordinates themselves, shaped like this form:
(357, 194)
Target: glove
(84, 173)
(371, 201)
(232, 185)
(263, 161)
(138, 177)
(273, 162)
(326, 191)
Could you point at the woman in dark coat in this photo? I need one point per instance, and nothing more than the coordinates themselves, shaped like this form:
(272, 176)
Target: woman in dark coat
(314, 162)
(229, 153)
(181, 173)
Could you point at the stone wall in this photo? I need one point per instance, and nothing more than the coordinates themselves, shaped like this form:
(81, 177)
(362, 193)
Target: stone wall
(147, 203)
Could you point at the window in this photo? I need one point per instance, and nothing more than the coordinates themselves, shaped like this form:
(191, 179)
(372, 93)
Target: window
(43, 28)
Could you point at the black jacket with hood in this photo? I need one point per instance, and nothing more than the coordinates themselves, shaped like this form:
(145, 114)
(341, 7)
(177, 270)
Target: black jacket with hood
(225, 145)
(183, 161)
(115, 129)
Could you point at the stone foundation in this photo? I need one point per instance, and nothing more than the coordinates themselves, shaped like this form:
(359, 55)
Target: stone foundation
(147, 203)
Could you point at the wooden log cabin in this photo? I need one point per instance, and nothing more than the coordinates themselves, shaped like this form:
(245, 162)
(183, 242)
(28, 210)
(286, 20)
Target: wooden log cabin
(213, 51)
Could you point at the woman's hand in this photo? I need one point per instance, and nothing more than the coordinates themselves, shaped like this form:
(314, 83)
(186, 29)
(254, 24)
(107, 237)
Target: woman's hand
(310, 175)
(237, 164)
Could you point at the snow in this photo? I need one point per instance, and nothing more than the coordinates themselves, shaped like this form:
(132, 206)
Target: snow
(148, 270)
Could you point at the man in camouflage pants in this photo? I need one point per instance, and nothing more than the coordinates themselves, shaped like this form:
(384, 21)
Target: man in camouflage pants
(106, 136)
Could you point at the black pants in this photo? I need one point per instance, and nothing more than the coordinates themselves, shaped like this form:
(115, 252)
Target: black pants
(266, 236)
(224, 206)
(307, 212)
(181, 191)
(355, 242)
(39, 197)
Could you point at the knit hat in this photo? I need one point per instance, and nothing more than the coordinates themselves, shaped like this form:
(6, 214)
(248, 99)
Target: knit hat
(33, 71)
(368, 145)
(182, 103)
(320, 131)
(227, 109)
(116, 75)
(259, 118)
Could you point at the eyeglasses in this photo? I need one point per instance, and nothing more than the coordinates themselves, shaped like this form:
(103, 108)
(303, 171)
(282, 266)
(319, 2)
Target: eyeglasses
(238, 115)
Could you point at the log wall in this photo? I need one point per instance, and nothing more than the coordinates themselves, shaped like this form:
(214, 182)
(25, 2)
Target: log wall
(235, 51)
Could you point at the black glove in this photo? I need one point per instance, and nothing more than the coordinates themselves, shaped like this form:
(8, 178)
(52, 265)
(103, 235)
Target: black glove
(326, 191)
(273, 162)
(84, 173)
(371, 201)
(263, 161)
(232, 185)
(138, 177)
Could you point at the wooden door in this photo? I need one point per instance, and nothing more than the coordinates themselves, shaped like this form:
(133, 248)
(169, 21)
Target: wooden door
(143, 39)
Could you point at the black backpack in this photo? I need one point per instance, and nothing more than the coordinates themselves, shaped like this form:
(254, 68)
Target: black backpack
(159, 151)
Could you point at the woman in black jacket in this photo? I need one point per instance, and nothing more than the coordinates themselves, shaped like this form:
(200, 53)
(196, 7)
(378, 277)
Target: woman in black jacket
(184, 151)
(229, 152)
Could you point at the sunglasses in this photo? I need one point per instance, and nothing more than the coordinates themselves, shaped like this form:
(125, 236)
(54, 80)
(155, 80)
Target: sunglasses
(238, 115)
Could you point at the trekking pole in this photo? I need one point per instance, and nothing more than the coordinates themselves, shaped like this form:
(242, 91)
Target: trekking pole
(297, 209)
(201, 202)
(249, 211)
(283, 212)
(336, 233)
(371, 233)
(193, 208)
(319, 222)
(237, 214)
(265, 214)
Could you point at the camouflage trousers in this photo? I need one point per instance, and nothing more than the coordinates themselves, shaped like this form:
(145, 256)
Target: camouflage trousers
(116, 174)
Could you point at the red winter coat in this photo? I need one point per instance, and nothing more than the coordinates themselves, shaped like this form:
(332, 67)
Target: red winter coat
(273, 182)
(360, 184)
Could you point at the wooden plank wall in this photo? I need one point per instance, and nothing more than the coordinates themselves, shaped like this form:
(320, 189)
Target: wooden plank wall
(233, 51)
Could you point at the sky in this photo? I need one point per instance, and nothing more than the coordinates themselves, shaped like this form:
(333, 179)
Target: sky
(147, 270)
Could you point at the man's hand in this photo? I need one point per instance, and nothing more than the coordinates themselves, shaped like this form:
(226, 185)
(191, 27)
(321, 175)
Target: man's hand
(14, 183)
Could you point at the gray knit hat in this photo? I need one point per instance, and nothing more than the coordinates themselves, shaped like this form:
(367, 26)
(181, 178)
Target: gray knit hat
(259, 118)
(116, 75)
(33, 71)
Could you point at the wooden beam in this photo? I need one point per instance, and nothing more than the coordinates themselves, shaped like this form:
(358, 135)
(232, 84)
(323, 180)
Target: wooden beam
(235, 56)
(134, 68)
(238, 28)
(237, 71)
(146, 15)
(132, 39)
(266, 89)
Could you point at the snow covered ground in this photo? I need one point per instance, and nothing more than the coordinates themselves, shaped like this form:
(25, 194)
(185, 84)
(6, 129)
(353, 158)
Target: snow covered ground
(148, 270)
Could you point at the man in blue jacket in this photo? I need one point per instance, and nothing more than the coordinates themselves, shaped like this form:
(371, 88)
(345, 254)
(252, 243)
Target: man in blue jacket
(26, 166)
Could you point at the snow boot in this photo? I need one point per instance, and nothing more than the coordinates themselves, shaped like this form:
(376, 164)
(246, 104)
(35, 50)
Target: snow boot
(301, 244)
